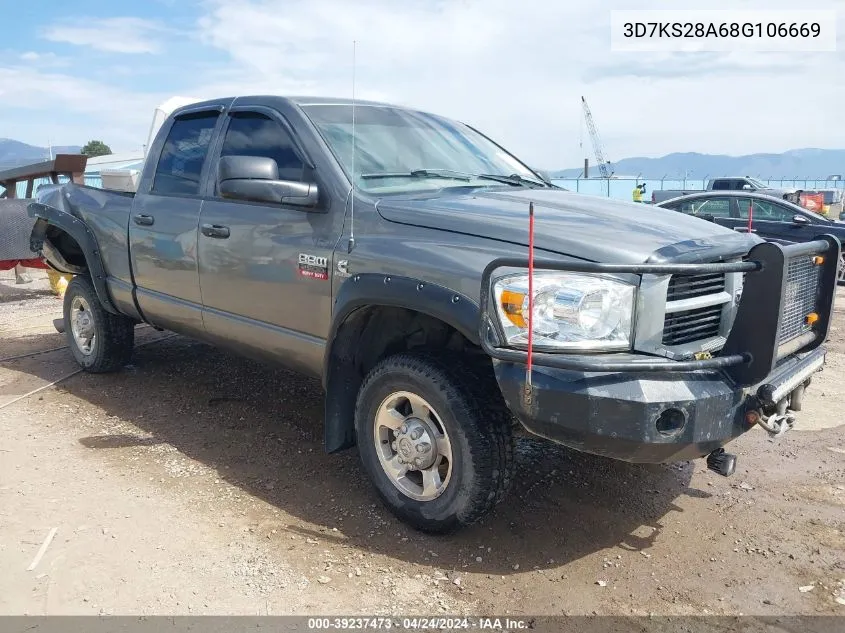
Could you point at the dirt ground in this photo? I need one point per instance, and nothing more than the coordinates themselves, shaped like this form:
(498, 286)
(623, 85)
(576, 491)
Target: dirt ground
(194, 482)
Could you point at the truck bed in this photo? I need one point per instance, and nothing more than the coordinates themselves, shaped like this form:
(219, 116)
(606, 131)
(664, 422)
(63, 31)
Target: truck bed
(106, 213)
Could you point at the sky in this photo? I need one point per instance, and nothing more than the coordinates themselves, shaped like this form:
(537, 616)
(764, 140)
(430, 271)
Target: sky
(96, 69)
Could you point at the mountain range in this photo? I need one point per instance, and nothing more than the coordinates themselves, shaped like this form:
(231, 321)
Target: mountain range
(797, 164)
(794, 164)
(14, 153)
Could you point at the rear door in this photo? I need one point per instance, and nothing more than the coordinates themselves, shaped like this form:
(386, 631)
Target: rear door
(163, 226)
(266, 283)
(715, 209)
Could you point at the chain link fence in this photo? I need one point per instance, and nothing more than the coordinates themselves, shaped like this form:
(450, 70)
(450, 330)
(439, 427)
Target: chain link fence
(622, 188)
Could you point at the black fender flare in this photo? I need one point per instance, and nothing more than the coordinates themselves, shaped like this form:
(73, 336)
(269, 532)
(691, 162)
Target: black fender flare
(38, 243)
(340, 380)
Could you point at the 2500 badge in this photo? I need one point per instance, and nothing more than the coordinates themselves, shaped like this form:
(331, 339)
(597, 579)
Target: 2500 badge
(313, 266)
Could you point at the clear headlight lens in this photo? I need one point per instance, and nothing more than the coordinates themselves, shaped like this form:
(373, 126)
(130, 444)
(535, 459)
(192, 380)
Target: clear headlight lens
(572, 311)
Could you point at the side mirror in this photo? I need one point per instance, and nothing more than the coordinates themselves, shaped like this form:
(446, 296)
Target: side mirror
(800, 219)
(256, 178)
(746, 187)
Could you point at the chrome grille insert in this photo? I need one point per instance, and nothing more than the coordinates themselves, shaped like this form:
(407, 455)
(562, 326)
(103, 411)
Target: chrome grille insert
(692, 325)
(694, 308)
(690, 286)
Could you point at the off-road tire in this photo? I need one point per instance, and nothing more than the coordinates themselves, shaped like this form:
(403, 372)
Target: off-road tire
(115, 334)
(476, 419)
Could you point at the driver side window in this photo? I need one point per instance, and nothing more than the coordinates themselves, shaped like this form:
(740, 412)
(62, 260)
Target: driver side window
(253, 134)
(765, 210)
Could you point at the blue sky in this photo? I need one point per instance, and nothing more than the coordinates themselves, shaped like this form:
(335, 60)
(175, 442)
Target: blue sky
(72, 71)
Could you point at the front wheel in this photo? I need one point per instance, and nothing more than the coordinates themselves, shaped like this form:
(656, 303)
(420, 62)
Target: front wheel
(435, 440)
(99, 340)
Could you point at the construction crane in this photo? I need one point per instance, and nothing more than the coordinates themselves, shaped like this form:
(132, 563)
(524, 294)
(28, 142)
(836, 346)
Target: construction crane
(604, 165)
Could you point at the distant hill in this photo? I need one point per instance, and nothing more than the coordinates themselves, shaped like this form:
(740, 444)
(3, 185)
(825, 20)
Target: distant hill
(794, 164)
(14, 153)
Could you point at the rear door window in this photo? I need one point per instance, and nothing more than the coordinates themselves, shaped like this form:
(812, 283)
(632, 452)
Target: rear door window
(181, 162)
(715, 207)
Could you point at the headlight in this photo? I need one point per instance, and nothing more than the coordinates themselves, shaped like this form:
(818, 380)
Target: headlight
(572, 311)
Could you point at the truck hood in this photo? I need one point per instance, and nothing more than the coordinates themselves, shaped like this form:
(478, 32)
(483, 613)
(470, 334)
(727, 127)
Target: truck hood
(585, 227)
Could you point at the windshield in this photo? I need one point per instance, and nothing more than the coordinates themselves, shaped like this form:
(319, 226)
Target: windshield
(398, 150)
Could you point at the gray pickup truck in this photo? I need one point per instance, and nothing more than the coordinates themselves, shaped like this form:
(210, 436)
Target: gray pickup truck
(386, 251)
(728, 184)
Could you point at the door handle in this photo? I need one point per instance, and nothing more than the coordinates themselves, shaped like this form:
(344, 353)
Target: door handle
(215, 230)
(144, 220)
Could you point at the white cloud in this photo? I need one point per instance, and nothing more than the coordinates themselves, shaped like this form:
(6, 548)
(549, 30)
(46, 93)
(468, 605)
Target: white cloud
(518, 71)
(113, 35)
(514, 70)
(69, 110)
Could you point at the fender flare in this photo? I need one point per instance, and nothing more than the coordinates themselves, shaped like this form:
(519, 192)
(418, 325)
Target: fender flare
(38, 243)
(340, 380)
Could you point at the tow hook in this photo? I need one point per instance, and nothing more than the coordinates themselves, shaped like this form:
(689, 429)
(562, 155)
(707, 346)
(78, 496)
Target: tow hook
(781, 414)
(721, 462)
(777, 424)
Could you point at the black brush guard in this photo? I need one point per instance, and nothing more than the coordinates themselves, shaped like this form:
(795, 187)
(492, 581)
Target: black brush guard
(752, 349)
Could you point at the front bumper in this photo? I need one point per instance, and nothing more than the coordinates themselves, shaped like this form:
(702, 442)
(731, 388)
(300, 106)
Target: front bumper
(643, 408)
(618, 415)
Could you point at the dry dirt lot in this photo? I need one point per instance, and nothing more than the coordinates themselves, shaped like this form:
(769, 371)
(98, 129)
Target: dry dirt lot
(194, 482)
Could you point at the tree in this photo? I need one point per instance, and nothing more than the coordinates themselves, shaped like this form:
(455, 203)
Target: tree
(96, 148)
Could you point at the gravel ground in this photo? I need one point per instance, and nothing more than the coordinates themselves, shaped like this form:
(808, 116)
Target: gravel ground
(194, 482)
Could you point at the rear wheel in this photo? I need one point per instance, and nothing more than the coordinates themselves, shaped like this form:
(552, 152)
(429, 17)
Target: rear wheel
(99, 340)
(435, 439)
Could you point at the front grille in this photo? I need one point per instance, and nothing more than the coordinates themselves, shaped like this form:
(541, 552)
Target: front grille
(800, 297)
(692, 286)
(692, 325)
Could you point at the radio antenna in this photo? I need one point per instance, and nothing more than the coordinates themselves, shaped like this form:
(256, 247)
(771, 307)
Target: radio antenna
(352, 192)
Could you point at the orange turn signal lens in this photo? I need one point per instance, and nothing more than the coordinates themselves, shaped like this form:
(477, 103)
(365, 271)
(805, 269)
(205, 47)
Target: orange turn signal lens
(818, 260)
(812, 318)
(512, 303)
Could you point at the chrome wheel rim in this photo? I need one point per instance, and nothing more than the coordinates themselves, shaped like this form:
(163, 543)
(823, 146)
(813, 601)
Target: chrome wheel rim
(412, 446)
(82, 326)
(840, 276)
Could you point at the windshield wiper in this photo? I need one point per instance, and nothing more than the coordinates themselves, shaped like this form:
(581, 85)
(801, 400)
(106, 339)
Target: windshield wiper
(448, 174)
(513, 179)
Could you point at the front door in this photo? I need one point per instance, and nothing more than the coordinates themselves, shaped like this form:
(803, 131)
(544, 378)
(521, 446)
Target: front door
(264, 268)
(773, 221)
(163, 227)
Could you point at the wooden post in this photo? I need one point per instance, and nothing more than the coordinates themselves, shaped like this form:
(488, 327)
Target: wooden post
(29, 185)
(11, 188)
(78, 177)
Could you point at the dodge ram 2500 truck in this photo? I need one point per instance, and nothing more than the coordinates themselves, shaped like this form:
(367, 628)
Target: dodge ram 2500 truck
(386, 251)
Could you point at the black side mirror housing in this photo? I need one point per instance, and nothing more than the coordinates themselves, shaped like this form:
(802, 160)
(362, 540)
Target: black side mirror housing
(800, 219)
(256, 178)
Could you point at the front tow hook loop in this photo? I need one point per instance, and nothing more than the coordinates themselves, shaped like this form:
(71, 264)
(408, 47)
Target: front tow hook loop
(721, 462)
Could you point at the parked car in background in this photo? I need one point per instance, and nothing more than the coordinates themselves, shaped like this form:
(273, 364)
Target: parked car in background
(771, 218)
(728, 184)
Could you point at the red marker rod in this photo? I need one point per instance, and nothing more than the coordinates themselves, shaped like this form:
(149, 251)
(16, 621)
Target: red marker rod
(530, 295)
